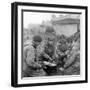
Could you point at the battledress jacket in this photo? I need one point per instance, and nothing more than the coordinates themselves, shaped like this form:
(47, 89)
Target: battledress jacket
(30, 66)
(72, 64)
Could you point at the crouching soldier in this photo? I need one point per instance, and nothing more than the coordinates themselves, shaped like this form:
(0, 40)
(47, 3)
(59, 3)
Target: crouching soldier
(72, 65)
(48, 60)
(62, 54)
(31, 65)
(48, 55)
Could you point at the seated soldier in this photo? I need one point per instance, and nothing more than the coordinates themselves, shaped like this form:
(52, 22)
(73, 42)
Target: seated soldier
(32, 67)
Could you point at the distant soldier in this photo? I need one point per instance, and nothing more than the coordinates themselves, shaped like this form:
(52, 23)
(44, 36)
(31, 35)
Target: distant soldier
(31, 65)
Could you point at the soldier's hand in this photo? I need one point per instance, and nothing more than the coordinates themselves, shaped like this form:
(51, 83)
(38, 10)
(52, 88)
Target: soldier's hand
(49, 64)
(46, 63)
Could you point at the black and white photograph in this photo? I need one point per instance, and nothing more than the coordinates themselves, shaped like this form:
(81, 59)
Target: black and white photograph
(50, 44)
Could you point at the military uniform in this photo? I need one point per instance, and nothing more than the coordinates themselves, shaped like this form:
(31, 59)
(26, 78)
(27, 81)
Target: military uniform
(50, 69)
(62, 53)
(72, 64)
(31, 65)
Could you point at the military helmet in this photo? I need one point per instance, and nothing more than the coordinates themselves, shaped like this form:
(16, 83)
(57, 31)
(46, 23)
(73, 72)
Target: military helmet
(50, 33)
(37, 38)
(50, 29)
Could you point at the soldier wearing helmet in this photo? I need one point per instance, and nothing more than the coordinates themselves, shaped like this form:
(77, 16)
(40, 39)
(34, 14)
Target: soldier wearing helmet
(31, 59)
(49, 52)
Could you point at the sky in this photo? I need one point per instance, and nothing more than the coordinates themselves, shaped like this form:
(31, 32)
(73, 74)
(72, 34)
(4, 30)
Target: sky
(38, 17)
(35, 18)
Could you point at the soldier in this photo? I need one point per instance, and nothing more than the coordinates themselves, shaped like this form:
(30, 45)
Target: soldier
(48, 56)
(72, 65)
(31, 65)
(62, 53)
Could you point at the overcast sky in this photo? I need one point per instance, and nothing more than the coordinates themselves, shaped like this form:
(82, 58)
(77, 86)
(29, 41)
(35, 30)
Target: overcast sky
(36, 18)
